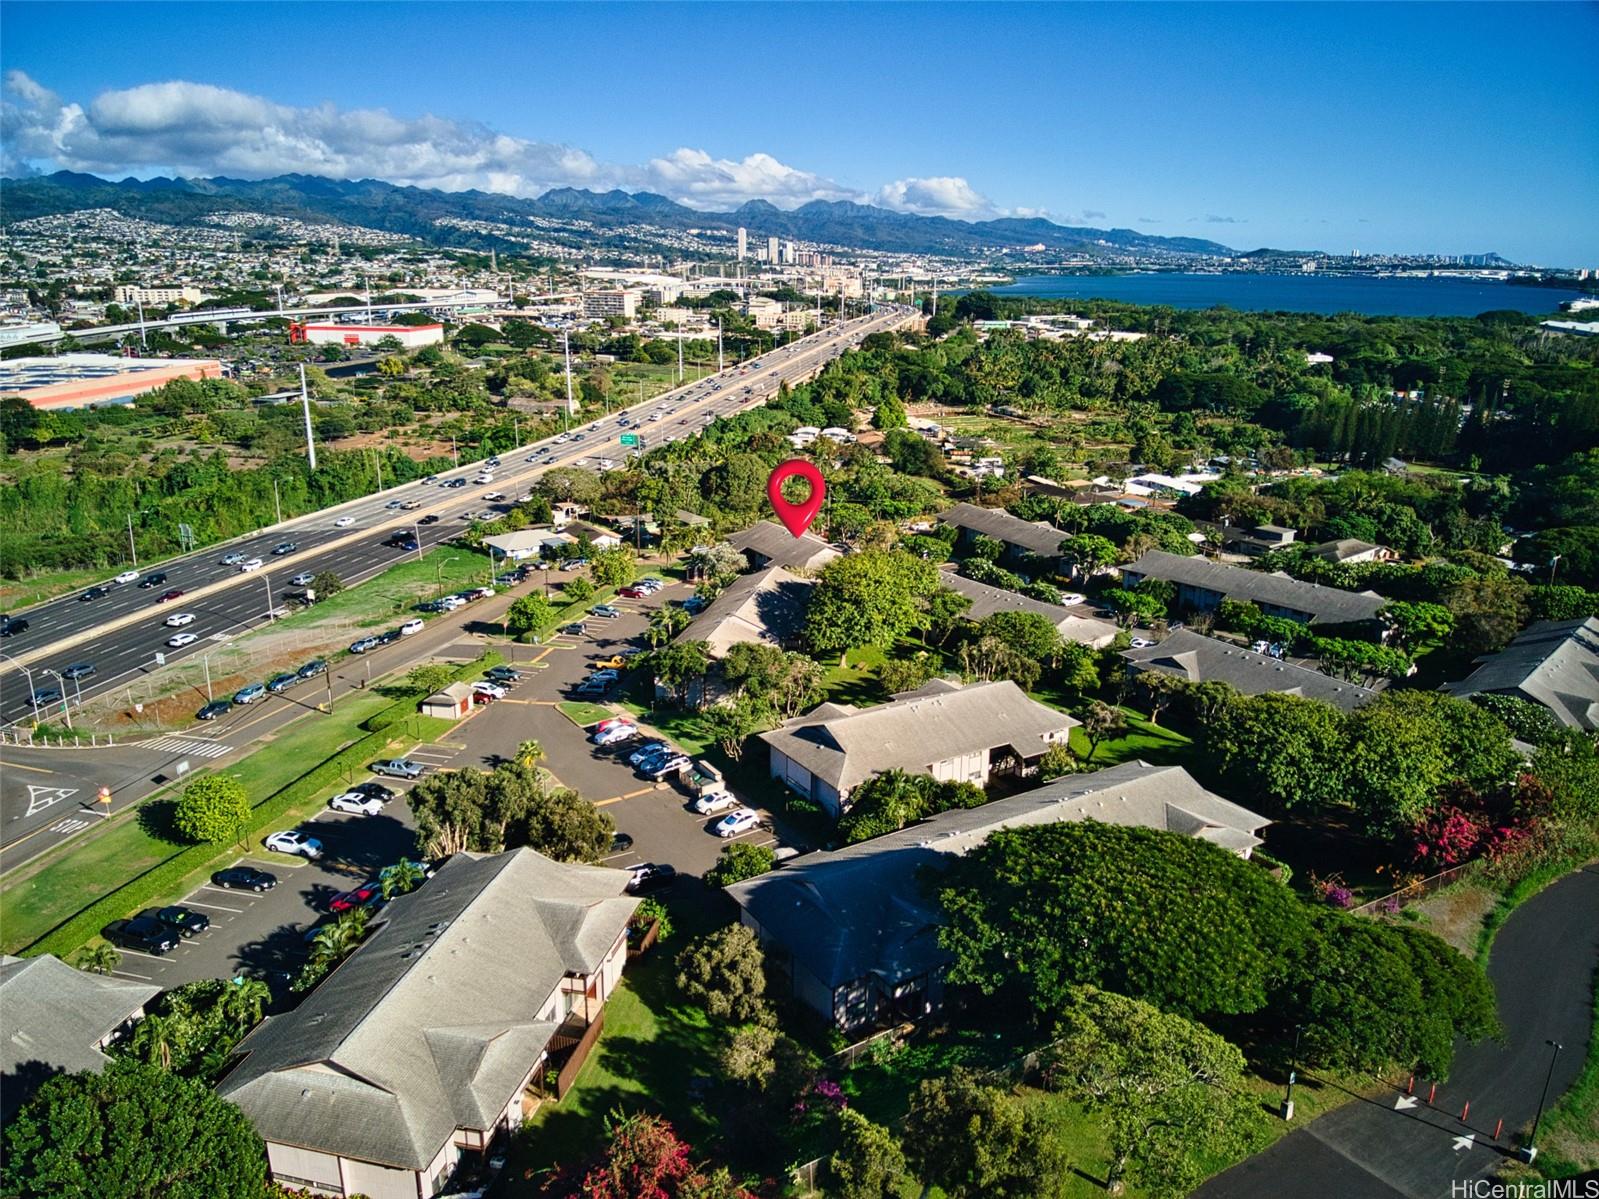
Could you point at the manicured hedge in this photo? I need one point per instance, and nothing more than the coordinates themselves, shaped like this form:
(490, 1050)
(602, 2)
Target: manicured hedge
(168, 877)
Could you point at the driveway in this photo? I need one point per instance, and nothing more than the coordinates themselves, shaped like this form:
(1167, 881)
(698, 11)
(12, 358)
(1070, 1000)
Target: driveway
(1542, 968)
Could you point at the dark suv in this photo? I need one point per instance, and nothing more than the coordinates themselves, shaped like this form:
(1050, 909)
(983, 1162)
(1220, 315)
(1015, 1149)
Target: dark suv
(183, 921)
(11, 626)
(153, 580)
(144, 933)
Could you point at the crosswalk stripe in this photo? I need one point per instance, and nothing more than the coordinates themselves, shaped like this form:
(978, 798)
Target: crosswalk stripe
(182, 745)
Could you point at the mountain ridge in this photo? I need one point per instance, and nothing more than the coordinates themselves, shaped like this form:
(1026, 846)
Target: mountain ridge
(413, 211)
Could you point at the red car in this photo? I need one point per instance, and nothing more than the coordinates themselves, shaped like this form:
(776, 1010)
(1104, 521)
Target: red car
(632, 593)
(170, 595)
(362, 895)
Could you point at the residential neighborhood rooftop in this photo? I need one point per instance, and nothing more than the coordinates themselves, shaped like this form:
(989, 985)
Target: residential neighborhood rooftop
(773, 545)
(434, 1020)
(1324, 605)
(1041, 539)
(767, 607)
(1554, 663)
(844, 745)
(53, 1019)
(987, 600)
(1200, 659)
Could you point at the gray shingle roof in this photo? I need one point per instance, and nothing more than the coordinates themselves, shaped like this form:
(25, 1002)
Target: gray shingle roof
(1554, 663)
(766, 607)
(1041, 539)
(987, 600)
(1200, 659)
(1343, 548)
(434, 1020)
(54, 1016)
(1324, 605)
(846, 913)
(781, 548)
(844, 745)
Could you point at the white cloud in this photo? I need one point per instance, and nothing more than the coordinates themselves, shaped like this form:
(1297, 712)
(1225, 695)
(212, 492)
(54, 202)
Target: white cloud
(936, 195)
(184, 128)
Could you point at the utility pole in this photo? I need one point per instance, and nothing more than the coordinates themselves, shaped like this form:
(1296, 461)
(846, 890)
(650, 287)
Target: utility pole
(680, 354)
(266, 581)
(133, 550)
(205, 661)
(719, 345)
(455, 450)
(305, 406)
(1530, 1153)
(566, 349)
(377, 464)
(277, 506)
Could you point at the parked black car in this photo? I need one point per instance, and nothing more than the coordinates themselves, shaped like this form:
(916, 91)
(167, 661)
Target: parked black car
(652, 876)
(186, 921)
(144, 933)
(212, 710)
(373, 790)
(621, 843)
(244, 878)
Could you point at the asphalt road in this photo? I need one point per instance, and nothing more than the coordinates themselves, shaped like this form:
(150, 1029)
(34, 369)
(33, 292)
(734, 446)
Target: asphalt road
(1542, 967)
(121, 633)
(47, 795)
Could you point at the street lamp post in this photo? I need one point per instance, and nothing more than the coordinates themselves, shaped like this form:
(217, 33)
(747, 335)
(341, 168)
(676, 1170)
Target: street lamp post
(205, 663)
(66, 708)
(1293, 1075)
(133, 550)
(1531, 1151)
(31, 699)
(1554, 562)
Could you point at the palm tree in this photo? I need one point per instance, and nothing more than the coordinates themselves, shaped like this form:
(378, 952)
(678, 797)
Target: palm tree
(99, 959)
(665, 623)
(405, 876)
(244, 1002)
(153, 1040)
(529, 753)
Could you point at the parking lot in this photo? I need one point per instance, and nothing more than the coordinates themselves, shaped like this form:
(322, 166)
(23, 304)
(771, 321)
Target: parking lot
(265, 934)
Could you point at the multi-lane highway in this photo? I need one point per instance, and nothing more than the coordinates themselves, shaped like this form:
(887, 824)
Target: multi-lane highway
(121, 633)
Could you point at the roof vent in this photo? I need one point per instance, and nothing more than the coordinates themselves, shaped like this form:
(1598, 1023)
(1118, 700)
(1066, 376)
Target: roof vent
(305, 1094)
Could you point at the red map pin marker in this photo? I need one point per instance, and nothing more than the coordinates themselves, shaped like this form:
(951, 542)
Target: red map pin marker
(796, 518)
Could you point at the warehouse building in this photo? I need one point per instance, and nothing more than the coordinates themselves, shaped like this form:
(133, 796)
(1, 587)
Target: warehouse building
(92, 380)
(412, 337)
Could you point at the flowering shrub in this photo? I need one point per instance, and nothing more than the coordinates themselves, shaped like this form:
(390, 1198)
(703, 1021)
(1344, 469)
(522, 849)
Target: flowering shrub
(1331, 891)
(1448, 836)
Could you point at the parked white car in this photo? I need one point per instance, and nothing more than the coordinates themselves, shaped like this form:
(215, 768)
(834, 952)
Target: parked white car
(411, 627)
(483, 687)
(451, 602)
(293, 842)
(737, 822)
(178, 619)
(1141, 643)
(1073, 597)
(716, 801)
(356, 804)
(250, 564)
(618, 732)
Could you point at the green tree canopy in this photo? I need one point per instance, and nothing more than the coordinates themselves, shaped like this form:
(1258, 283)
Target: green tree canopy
(980, 1142)
(870, 598)
(134, 1131)
(1171, 1093)
(214, 809)
(1147, 913)
(725, 972)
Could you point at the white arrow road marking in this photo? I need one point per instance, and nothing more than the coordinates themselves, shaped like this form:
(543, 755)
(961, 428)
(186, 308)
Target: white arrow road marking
(40, 798)
(1464, 1142)
(1403, 1102)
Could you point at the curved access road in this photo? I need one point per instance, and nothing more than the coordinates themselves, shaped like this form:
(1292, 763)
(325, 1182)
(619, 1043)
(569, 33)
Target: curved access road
(1396, 1145)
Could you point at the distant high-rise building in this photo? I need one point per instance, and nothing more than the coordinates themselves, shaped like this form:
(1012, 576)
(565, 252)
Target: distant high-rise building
(788, 253)
(743, 243)
(771, 250)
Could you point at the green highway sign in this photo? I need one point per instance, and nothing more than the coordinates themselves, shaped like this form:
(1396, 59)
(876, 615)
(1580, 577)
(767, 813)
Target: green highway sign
(630, 439)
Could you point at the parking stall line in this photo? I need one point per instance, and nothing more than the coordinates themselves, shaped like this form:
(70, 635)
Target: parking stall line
(144, 978)
(215, 907)
(149, 957)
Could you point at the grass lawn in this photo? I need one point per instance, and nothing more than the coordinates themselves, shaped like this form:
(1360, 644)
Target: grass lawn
(23, 593)
(582, 714)
(397, 590)
(856, 682)
(40, 895)
(651, 1047)
(1149, 742)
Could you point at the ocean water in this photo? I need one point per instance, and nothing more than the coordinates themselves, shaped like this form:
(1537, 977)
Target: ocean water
(1299, 293)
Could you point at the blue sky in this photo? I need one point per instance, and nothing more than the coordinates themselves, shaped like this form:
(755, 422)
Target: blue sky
(1455, 128)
